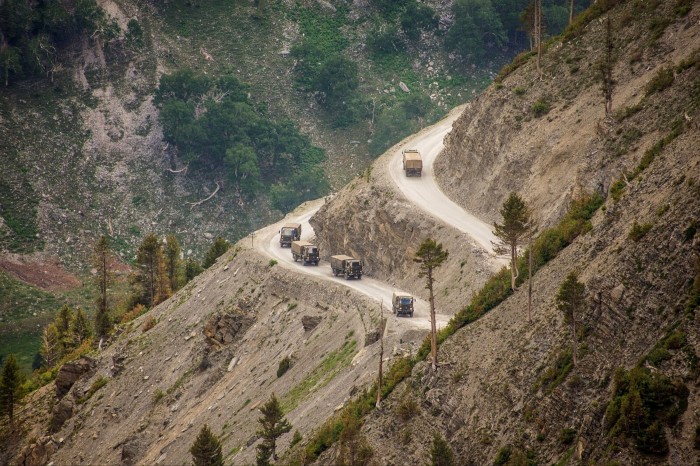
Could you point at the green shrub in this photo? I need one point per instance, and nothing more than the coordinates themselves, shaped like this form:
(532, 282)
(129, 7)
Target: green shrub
(642, 402)
(284, 366)
(662, 80)
(639, 231)
(557, 373)
(96, 385)
(567, 436)
(540, 108)
(502, 456)
(407, 408)
(272, 263)
(519, 91)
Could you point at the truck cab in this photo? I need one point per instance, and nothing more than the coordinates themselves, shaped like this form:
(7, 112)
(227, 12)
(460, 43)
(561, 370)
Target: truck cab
(288, 233)
(402, 304)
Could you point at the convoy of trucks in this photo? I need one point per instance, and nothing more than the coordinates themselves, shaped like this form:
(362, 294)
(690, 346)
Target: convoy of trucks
(402, 304)
(412, 162)
(305, 251)
(347, 266)
(290, 232)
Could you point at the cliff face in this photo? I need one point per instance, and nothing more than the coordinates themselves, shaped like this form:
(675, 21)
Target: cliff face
(505, 392)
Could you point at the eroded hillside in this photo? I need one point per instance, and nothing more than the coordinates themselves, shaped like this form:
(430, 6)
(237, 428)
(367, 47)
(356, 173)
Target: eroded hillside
(508, 393)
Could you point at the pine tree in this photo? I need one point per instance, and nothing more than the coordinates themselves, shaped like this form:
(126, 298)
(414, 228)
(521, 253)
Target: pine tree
(80, 328)
(571, 300)
(273, 424)
(440, 453)
(353, 448)
(63, 321)
(151, 270)
(10, 388)
(192, 269)
(173, 263)
(430, 256)
(218, 248)
(102, 261)
(206, 449)
(511, 232)
(50, 350)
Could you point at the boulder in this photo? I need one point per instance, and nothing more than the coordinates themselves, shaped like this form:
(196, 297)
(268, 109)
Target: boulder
(310, 322)
(37, 454)
(70, 372)
(61, 413)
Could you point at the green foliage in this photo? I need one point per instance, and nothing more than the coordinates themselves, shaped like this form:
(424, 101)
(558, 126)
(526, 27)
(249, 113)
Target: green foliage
(216, 250)
(440, 452)
(407, 408)
(353, 448)
(206, 449)
(11, 380)
(96, 385)
(557, 373)
(214, 126)
(384, 40)
(661, 352)
(639, 231)
(273, 424)
(192, 269)
(395, 123)
(296, 438)
(418, 17)
(284, 365)
(662, 80)
(476, 29)
(540, 107)
(642, 403)
(567, 436)
(33, 33)
(503, 456)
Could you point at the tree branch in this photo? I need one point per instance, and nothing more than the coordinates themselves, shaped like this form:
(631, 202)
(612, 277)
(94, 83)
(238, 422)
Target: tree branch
(195, 204)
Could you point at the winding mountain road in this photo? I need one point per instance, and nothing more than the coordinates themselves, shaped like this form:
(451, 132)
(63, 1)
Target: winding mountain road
(423, 192)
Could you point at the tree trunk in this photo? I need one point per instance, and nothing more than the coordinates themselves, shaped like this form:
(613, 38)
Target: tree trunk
(513, 265)
(571, 11)
(529, 276)
(573, 330)
(433, 326)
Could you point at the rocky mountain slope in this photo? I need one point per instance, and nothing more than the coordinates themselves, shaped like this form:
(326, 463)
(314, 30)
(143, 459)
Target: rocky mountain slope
(210, 354)
(505, 395)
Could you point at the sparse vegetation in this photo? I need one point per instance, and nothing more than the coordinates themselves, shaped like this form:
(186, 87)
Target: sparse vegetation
(638, 231)
(96, 385)
(643, 402)
(284, 366)
(540, 107)
(557, 373)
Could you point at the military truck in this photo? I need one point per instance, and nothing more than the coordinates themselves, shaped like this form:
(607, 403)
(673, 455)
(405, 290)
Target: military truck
(402, 304)
(290, 232)
(347, 266)
(412, 162)
(307, 252)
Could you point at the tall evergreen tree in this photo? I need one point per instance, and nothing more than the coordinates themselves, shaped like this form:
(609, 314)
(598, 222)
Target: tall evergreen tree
(80, 328)
(63, 321)
(10, 388)
(102, 261)
(50, 350)
(151, 270)
(272, 425)
(173, 262)
(571, 300)
(206, 449)
(430, 256)
(511, 232)
(192, 269)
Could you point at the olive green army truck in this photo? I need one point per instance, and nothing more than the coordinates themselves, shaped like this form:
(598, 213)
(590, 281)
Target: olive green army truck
(402, 304)
(347, 266)
(305, 251)
(290, 232)
(412, 162)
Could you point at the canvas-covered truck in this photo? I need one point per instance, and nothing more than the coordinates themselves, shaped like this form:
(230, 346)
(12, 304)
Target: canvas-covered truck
(347, 266)
(412, 162)
(290, 232)
(305, 251)
(402, 304)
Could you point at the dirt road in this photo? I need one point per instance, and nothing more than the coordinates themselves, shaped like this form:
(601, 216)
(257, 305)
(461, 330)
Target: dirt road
(424, 193)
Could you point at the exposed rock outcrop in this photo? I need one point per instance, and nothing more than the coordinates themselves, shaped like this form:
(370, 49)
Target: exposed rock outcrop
(70, 372)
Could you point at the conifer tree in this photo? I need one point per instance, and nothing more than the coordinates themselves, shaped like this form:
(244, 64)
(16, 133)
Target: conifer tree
(80, 328)
(192, 269)
(10, 388)
(173, 263)
(272, 425)
(353, 448)
(511, 232)
(440, 453)
(206, 449)
(430, 256)
(50, 350)
(571, 300)
(151, 269)
(102, 261)
(63, 321)
(218, 248)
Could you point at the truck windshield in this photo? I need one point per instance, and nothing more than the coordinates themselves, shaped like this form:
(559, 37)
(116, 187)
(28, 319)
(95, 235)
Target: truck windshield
(405, 300)
(287, 231)
(312, 250)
